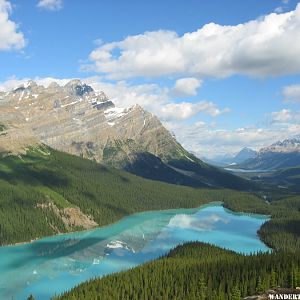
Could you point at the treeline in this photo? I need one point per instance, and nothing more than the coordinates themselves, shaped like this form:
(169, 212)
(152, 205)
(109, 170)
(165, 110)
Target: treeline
(195, 271)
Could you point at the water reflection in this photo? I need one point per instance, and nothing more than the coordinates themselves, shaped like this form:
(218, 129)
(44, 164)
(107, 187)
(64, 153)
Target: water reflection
(52, 265)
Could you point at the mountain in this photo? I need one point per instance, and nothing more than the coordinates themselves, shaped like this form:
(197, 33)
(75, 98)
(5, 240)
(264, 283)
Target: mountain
(233, 159)
(245, 154)
(78, 120)
(282, 154)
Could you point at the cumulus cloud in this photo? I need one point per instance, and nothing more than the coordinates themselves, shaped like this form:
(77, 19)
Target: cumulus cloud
(260, 47)
(285, 116)
(155, 99)
(291, 93)
(186, 87)
(10, 37)
(50, 4)
(279, 9)
(185, 110)
(208, 140)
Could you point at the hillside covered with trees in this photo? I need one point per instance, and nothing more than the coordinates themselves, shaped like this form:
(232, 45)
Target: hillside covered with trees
(195, 271)
(29, 183)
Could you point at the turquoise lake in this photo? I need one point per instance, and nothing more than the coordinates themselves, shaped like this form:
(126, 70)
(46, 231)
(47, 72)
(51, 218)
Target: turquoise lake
(52, 265)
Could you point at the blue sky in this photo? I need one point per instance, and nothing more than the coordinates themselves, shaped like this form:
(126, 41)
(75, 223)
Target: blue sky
(218, 87)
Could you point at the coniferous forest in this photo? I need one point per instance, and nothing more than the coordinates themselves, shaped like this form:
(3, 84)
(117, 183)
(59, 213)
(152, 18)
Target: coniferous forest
(191, 271)
(196, 271)
(106, 194)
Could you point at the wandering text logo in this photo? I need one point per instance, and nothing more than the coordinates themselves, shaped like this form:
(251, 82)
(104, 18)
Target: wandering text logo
(284, 296)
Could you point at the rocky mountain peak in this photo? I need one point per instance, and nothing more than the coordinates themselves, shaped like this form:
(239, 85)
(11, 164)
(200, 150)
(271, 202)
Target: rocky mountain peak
(284, 146)
(30, 84)
(53, 85)
(76, 119)
(78, 88)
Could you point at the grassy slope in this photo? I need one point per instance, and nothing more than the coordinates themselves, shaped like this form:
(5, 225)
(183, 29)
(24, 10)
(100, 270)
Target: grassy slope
(195, 271)
(106, 194)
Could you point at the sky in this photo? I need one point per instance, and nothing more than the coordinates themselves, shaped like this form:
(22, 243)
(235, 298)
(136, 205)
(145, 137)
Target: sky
(220, 74)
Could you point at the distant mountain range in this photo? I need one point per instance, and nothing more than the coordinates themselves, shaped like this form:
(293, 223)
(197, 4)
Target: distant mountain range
(282, 154)
(233, 159)
(78, 120)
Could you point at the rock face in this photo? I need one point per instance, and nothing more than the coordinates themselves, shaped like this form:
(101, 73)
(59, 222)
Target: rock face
(76, 119)
(282, 154)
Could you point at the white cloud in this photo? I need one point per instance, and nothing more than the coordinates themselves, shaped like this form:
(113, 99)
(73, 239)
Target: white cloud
(260, 47)
(10, 37)
(154, 99)
(210, 141)
(186, 87)
(291, 93)
(186, 110)
(285, 116)
(282, 116)
(50, 4)
(279, 9)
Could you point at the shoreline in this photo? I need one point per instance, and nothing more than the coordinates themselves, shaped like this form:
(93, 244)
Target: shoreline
(212, 203)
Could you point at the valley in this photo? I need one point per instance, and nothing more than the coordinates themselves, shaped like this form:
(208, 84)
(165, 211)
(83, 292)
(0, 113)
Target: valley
(72, 166)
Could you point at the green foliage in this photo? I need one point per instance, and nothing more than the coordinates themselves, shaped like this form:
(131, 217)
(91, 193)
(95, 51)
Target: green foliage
(195, 271)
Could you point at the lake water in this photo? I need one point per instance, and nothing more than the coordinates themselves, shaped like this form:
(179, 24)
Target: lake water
(52, 265)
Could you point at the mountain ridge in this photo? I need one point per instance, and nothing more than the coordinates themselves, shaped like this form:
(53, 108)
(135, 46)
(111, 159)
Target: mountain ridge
(282, 154)
(74, 118)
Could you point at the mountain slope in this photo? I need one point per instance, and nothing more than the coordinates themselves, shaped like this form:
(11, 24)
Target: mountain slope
(283, 154)
(76, 119)
(245, 154)
(45, 192)
(285, 179)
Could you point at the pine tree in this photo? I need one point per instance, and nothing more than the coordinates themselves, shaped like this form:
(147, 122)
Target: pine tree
(259, 285)
(202, 287)
(273, 281)
(236, 294)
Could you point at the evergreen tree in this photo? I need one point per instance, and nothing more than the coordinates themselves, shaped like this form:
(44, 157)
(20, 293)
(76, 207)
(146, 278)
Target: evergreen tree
(202, 287)
(236, 294)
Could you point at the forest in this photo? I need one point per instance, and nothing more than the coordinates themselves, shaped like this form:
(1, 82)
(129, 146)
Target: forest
(195, 271)
(45, 175)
